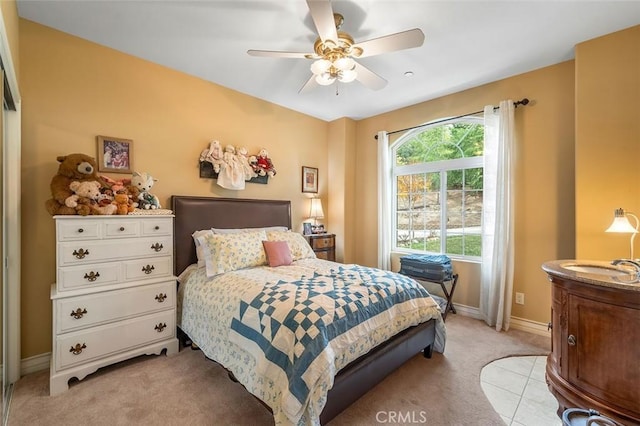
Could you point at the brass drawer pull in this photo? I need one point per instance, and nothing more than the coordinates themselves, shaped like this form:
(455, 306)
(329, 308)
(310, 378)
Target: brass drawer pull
(77, 350)
(92, 276)
(147, 269)
(157, 247)
(160, 297)
(160, 327)
(78, 313)
(80, 254)
(571, 340)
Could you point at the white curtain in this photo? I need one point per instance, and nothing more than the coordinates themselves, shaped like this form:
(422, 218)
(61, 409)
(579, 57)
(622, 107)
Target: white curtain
(384, 202)
(498, 216)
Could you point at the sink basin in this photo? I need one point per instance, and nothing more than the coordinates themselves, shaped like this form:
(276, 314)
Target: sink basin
(607, 270)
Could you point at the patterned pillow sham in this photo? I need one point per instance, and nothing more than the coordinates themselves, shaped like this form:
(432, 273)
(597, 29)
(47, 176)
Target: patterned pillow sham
(199, 250)
(300, 248)
(229, 252)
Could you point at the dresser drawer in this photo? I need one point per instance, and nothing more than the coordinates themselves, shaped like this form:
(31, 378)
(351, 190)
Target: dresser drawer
(152, 227)
(153, 267)
(122, 229)
(79, 252)
(71, 230)
(83, 346)
(75, 313)
(88, 276)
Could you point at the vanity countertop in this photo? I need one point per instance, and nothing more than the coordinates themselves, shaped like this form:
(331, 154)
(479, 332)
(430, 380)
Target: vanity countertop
(629, 282)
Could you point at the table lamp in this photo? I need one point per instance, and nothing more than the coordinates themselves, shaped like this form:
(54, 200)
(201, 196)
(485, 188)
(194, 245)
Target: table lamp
(315, 213)
(622, 225)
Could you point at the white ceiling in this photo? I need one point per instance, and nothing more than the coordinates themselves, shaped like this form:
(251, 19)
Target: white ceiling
(468, 43)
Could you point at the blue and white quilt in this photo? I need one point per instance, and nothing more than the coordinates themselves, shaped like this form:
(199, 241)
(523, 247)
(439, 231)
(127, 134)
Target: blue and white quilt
(291, 329)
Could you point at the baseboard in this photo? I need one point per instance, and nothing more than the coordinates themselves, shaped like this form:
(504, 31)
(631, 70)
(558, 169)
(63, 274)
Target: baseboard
(516, 323)
(534, 327)
(35, 363)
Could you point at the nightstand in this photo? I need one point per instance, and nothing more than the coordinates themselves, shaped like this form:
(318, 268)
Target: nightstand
(324, 245)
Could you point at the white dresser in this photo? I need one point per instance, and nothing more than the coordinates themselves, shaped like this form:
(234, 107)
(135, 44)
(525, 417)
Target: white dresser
(115, 293)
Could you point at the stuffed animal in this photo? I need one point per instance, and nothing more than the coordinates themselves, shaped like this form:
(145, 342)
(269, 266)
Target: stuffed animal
(73, 167)
(116, 185)
(84, 199)
(265, 166)
(143, 182)
(123, 203)
(248, 170)
(213, 155)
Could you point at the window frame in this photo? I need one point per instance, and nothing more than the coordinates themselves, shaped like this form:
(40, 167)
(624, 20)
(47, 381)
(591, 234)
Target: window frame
(441, 167)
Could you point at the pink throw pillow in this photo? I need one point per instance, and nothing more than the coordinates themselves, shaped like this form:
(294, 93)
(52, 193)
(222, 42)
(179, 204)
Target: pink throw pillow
(278, 253)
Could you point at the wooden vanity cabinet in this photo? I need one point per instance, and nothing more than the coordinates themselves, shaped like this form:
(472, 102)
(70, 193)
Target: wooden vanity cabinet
(595, 355)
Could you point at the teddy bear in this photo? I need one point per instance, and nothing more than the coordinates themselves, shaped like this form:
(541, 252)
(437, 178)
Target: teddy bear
(84, 199)
(123, 203)
(73, 167)
(265, 166)
(143, 182)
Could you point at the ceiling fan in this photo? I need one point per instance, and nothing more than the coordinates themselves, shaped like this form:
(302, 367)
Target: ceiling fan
(335, 51)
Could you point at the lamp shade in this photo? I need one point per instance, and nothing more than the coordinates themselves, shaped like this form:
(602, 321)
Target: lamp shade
(621, 224)
(316, 212)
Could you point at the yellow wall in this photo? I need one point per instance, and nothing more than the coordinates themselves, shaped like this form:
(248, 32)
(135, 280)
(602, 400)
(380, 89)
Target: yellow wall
(74, 90)
(607, 141)
(544, 177)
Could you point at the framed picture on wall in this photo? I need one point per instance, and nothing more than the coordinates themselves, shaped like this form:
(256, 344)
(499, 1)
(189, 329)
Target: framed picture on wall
(309, 179)
(115, 155)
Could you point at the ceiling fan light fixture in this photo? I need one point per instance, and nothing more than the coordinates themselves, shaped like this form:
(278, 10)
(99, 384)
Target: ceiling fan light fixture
(320, 66)
(347, 76)
(344, 63)
(325, 79)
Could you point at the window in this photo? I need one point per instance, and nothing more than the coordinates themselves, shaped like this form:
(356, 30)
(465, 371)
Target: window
(437, 188)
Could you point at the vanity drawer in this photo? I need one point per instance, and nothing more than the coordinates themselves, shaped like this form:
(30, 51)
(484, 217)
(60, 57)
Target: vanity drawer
(99, 342)
(75, 313)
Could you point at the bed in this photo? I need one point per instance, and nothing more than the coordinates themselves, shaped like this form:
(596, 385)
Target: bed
(354, 378)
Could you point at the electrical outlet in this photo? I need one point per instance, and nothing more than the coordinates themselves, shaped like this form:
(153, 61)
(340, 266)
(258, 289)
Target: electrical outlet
(520, 298)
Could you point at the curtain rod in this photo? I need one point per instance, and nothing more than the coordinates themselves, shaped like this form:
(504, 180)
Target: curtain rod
(523, 101)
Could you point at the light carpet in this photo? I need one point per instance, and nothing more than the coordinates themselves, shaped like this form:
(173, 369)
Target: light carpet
(189, 389)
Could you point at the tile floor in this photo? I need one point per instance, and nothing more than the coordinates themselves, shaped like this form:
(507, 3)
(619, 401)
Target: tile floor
(516, 388)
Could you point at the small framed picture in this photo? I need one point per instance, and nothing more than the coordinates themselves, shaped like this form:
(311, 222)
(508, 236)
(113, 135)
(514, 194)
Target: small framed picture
(115, 155)
(309, 179)
(307, 228)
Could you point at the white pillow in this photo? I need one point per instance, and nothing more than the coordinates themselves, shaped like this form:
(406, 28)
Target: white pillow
(298, 245)
(229, 252)
(238, 230)
(199, 250)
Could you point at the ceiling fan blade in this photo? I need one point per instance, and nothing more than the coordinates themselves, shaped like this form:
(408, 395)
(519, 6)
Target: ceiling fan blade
(369, 78)
(278, 54)
(309, 85)
(390, 43)
(322, 15)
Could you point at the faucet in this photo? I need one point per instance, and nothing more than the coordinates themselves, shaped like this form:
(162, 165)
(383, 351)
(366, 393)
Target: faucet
(630, 262)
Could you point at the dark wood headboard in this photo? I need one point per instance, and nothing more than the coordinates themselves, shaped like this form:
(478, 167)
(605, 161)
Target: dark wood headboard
(196, 213)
